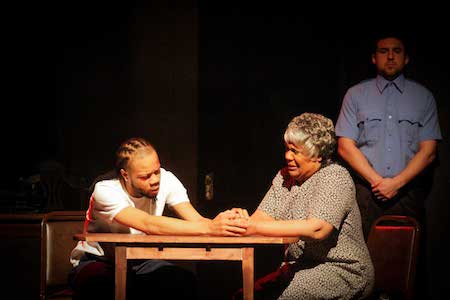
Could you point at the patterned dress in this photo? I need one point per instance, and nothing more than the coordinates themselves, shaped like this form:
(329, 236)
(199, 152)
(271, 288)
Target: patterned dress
(338, 267)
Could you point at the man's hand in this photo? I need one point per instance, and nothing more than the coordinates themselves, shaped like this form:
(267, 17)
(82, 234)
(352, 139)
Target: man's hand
(385, 189)
(228, 223)
(240, 213)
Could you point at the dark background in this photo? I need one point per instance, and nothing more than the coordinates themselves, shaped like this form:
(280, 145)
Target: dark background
(212, 86)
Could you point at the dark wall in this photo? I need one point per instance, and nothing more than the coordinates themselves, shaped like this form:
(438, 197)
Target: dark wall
(86, 77)
(257, 71)
(144, 83)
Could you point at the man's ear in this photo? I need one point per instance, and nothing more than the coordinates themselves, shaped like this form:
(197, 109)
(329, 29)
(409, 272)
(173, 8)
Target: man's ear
(124, 174)
(373, 59)
(406, 59)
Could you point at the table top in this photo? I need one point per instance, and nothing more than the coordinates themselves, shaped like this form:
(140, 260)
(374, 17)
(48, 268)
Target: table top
(183, 239)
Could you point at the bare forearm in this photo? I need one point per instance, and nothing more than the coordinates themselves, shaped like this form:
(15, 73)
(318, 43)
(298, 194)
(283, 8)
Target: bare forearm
(222, 225)
(144, 222)
(173, 226)
(187, 212)
(424, 157)
(305, 229)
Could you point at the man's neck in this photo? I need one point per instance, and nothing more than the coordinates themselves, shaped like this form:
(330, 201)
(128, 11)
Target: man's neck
(127, 188)
(390, 78)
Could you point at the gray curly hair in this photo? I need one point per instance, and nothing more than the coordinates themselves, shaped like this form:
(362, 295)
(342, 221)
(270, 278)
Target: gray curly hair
(314, 133)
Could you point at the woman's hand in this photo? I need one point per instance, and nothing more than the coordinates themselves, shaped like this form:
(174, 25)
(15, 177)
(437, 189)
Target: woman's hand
(240, 213)
(228, 223)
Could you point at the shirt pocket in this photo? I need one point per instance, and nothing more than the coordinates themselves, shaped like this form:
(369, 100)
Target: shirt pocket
(409, 126)
(369, 126)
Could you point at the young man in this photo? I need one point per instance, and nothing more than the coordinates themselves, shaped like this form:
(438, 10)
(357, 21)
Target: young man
(133, 202)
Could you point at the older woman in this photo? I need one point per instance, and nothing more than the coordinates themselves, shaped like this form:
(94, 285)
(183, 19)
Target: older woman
(314, 198)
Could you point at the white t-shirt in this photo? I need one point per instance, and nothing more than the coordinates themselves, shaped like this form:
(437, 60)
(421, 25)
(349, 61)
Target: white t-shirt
(109, 198)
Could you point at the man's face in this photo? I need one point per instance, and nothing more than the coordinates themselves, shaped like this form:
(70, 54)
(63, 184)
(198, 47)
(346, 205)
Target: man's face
(390, 57)
(143, 174)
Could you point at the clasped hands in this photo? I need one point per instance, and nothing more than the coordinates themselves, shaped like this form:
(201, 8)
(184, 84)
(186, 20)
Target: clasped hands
(232, 222)
(385, 188)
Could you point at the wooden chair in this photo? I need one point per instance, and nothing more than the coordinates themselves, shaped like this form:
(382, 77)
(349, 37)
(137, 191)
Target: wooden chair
(393, 244)
(57, 230)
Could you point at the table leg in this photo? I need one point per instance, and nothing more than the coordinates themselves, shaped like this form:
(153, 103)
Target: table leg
(248, 272)
(121, 272)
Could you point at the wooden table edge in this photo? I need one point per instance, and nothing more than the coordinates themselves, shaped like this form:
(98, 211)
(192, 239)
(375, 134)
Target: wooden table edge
(182, 239)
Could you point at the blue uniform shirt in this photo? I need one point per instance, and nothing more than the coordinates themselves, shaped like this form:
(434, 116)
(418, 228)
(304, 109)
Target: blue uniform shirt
(388, 119)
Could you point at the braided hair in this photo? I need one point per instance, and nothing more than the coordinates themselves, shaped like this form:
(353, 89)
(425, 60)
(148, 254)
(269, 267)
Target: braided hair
(127, 149)
(123, 155)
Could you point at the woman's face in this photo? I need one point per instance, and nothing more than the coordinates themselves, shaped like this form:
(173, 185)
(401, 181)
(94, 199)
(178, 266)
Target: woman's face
(299, 166)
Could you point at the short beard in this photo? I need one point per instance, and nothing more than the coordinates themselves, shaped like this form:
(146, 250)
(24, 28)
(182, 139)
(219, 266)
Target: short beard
(147, 195)
(142, 193)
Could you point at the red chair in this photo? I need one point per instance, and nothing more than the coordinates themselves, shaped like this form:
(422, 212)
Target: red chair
(393, 244)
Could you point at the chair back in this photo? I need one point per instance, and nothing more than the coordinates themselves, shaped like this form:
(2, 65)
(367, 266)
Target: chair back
(393, 244)
(57, 242)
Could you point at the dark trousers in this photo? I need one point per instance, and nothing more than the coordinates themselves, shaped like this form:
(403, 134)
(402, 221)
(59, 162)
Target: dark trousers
(94, 277)
(410, 201)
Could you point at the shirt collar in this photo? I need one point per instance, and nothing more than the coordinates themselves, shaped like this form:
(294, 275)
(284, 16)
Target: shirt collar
(398, 82)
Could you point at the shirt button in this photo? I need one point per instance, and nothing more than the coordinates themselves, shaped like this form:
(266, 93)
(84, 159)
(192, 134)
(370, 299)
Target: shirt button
(389, 149)
(388, 167)
(390, 117)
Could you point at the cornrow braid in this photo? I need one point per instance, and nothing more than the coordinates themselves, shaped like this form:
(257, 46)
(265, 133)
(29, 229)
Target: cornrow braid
(127, 149)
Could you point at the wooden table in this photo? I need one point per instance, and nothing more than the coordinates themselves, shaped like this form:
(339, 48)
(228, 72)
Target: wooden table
(131, 246)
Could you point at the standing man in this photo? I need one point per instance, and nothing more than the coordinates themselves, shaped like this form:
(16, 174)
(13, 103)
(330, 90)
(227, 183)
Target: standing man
(388, 131)
(133, 202)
